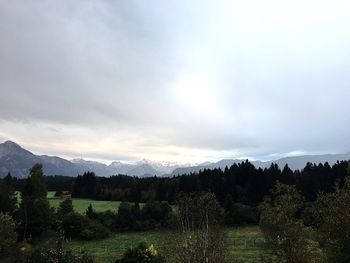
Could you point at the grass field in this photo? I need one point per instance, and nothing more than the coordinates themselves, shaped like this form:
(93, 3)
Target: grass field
(80, 205)
(246, 244)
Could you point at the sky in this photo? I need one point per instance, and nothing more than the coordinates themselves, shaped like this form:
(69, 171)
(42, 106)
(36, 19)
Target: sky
(180, 81)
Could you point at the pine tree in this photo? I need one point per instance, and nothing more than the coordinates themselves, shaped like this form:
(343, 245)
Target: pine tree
(34, 207)
(65, 208)
(8, 196)
(90, 212)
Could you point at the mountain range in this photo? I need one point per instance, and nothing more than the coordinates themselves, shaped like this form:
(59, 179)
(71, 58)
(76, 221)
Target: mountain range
(18, 161)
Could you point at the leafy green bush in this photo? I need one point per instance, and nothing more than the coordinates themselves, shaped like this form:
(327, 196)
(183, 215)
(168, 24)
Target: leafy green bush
(73, 224)
(141, 254)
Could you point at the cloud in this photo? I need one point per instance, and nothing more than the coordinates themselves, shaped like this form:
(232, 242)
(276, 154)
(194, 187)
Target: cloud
(183, 80)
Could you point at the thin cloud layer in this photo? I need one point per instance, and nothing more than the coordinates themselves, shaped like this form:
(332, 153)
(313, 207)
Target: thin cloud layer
(183, 81)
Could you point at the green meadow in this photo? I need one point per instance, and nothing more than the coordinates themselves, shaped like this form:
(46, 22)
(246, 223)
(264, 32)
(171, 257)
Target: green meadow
(245, 244)
(80, 205)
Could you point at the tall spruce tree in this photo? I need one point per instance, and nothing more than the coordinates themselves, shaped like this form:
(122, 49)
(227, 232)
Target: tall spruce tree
(34, 207)
(8, 196)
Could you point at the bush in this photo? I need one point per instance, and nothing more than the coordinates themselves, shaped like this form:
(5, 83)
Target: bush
(282, 227)
(124, 217)
(157, 212)
(52, 251)
(8, 235)
(141, 253)
(94, 230)
(107, 218)
(73, 224)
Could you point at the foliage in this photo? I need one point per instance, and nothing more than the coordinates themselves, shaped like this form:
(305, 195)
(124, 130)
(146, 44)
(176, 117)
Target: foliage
(107, 219)
(54, 253)
(35, 213)
(153, 214)
(90, 213)
(85, 186)
(156, 212)
(76, 225)
(141, 254)
(64, 208)
(72, 224)
(201, 238)
(35, 187)
(241, 214)
(332, 213)
(124, 216)
(242, 183)
(8, 196)
(8, 236)
(282, 227)
(94, 230)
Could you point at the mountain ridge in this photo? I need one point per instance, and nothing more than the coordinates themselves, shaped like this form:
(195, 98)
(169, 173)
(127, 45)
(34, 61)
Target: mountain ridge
(18, 161)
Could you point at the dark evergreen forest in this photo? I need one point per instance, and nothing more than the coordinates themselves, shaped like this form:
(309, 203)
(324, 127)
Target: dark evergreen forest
(240, 183)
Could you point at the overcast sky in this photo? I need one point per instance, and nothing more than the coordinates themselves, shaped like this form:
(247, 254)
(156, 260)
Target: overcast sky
(185, 81)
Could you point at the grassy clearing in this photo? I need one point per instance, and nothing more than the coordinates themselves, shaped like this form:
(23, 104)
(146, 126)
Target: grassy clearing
(246, 244)
(80, 205)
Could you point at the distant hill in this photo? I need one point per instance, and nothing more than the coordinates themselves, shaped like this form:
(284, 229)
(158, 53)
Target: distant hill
(295, 162)
(18, 161)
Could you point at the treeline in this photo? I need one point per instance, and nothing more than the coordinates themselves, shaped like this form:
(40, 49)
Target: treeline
(240, 183)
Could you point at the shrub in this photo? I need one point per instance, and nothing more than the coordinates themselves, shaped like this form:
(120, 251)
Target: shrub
(8, 235)
(282, 227)
(157, 212)
(107, 218)
(94, 230)
(141, 253)
(201, 237)
(332, 213)
(72, 224)
(124, 216)
(52, 252)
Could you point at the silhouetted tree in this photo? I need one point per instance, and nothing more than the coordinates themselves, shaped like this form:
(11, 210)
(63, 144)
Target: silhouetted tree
(8, 196)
